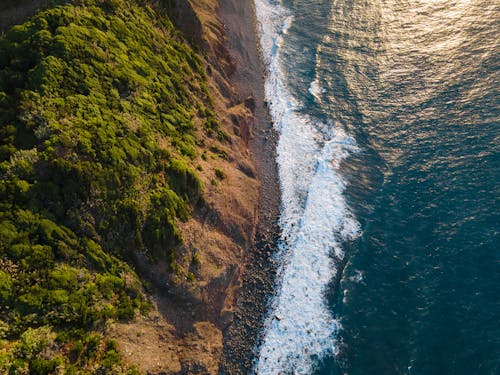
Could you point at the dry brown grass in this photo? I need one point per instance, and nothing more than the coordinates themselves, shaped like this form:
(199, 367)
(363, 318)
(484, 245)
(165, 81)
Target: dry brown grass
(183, 333)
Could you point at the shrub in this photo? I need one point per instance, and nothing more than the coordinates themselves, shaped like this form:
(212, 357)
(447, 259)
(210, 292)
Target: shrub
(220, 174)
(97, 139)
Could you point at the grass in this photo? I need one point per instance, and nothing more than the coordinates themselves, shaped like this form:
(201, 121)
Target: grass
(99, 102)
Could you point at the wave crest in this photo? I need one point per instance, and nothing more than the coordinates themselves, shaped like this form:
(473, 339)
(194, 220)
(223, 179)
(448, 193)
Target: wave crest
(315, 218)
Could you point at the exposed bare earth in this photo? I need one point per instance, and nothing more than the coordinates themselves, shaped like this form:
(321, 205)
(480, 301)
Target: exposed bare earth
(243, 335)
(210, 324)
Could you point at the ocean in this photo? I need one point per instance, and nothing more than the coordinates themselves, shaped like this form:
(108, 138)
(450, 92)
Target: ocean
(388, 119)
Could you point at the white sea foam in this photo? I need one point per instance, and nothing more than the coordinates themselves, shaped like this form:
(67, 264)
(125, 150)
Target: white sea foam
(315, 218)
(316, 90)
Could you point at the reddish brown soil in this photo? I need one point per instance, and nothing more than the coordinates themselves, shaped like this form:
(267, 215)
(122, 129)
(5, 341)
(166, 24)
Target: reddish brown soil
(206, 319)
(211, 325)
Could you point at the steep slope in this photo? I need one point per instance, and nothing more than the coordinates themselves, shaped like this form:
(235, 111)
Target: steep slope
(127, 199)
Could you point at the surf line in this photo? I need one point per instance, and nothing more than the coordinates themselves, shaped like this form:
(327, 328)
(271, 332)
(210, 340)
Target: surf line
(315, 218)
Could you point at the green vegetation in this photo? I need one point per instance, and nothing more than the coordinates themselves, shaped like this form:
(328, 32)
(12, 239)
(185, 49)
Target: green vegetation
(99, 103)
(5, 4)
(220, 174)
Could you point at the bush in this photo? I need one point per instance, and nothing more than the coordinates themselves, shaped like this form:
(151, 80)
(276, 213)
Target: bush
(220, 174)
(98, 132)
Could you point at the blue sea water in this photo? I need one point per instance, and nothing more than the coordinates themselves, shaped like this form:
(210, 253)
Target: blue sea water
(388, 113)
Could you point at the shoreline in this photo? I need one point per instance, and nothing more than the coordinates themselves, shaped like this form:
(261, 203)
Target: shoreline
(217, 327)
(243, 335)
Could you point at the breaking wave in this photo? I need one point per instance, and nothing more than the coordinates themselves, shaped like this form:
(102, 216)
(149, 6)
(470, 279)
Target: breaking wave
(315, 218)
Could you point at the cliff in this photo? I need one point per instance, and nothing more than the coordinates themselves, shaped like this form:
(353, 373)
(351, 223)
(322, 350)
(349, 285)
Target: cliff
(129, 199)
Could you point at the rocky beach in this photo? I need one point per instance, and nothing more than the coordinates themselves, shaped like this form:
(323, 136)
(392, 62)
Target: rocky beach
(193, 228)
(242, 336)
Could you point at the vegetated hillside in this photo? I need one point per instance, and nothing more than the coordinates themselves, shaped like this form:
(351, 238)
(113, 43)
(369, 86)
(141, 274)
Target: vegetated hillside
(13, 12)
(104, 113)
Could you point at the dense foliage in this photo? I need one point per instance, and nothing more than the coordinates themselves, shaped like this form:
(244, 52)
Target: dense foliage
(101, 107)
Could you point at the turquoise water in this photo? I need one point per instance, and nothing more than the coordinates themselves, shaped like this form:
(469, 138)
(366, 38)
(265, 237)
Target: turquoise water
(388, 113)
